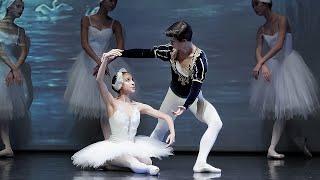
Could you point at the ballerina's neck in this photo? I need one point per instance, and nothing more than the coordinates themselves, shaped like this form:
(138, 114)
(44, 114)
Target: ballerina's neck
(102, 12)
(124, 98)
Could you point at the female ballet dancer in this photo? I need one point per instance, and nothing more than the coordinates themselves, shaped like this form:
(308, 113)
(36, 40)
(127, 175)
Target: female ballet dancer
(15, 74)
(284, 87)
(188, 69)
(82, 94)
(124, 148)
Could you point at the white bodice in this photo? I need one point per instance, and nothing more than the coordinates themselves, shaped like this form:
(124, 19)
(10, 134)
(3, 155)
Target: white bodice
(8, 39)
(99, 40)
(9, 45)
(271, 41)
(124, 126)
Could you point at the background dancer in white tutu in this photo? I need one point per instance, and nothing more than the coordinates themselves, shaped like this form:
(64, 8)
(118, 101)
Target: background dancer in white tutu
(188, 70)
(284, 87)
(16, 92)
(123, 148)
(97, 34)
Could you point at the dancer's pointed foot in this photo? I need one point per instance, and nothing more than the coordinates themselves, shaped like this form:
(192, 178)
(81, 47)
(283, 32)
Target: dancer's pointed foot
(205, 167)
(272, 154)
(6, 153)
(153, 170)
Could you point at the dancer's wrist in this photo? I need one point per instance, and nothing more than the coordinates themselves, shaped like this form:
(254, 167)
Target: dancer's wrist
(98, 63)
(184, 107)
(14, 68)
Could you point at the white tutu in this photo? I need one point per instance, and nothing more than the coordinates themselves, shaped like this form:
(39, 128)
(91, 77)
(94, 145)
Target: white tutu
(82, 91)
(291, 92)
(263, 92)
(97, 154)
(15, 100)
(297, 88)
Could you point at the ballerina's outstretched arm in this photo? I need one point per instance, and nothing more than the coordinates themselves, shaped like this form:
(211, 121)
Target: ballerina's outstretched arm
(107, 97)
(146, 109)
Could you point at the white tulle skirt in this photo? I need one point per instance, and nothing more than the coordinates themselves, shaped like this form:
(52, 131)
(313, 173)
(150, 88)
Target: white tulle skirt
(97, 154)
(82, 93)
(291, 92)
(15, 100)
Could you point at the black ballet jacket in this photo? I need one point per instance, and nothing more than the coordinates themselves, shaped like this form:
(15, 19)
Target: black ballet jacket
(183, 85)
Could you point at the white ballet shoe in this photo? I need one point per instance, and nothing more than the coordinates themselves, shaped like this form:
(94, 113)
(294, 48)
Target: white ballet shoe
(153, 170)
(274, 155)
(201, 168)
(6, 153)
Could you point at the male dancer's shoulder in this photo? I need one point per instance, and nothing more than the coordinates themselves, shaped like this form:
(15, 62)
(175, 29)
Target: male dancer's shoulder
(200, 67)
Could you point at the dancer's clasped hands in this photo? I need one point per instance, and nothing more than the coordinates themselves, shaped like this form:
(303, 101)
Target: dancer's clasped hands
(14, 77)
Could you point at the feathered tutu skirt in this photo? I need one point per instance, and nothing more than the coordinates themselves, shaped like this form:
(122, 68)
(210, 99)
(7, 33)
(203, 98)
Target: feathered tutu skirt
(97, 154)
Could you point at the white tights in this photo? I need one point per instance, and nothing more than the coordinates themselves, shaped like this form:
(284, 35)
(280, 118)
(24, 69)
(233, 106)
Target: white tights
(207, 114)
(278, 127)
(137, 165)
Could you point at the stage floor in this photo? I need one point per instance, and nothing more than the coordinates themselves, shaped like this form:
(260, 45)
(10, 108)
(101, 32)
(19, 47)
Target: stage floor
(58, 166)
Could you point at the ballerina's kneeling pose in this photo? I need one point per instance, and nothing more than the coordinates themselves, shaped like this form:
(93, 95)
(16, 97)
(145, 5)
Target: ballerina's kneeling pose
(124, 148)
